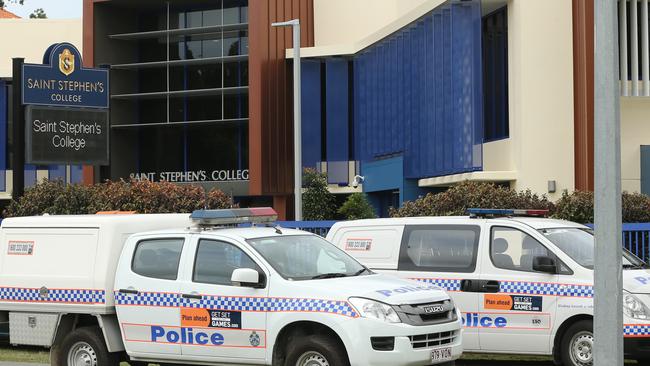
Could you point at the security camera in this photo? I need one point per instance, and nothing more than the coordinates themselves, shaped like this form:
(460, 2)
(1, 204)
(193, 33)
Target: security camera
(358, 179)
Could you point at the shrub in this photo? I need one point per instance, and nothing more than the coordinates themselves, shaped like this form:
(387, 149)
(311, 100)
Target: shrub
(357, 207)
(457, 199)
(57, 198)
(317, 201)
(578, 206)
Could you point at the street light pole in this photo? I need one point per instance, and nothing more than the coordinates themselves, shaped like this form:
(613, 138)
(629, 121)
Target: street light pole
(297, 131)
(608, 289)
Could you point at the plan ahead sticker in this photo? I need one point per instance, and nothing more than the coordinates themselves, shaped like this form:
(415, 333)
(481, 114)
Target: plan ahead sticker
(513, 302)
(20, 248)
(363, 245)
(205, 318)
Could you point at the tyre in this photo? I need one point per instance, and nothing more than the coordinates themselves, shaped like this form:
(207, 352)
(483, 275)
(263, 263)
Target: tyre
(577, 344)
(85, 347)
(315, 350)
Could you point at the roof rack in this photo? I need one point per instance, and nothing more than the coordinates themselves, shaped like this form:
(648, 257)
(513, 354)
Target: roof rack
(505, 212)
(256, 215)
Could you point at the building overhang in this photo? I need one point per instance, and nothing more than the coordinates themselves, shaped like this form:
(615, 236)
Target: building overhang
(348, 49)
(449, 180)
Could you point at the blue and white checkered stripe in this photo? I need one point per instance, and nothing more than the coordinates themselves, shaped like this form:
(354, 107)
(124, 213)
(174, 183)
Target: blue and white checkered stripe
(263, 304)
(521, 287)
(74, 296)
(636, 330)
(446, 284)
(272, 304)
(159, 299)
(549, 289)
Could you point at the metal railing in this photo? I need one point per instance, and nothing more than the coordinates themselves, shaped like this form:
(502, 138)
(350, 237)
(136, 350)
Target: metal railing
(636, 236)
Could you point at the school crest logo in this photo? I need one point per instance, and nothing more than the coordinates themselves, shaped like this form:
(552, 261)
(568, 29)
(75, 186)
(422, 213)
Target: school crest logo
(66, 62)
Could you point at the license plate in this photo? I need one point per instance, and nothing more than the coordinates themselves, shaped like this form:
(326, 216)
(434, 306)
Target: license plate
(441, 354)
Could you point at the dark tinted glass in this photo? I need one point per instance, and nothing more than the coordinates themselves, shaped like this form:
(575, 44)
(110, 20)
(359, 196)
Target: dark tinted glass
(215, 262)
(444, 248)
(158, 258)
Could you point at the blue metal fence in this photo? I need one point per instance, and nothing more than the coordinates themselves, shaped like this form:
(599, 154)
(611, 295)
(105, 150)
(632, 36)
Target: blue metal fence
(636, 236)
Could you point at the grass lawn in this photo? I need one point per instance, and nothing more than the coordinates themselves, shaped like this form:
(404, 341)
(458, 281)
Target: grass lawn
(24, 354)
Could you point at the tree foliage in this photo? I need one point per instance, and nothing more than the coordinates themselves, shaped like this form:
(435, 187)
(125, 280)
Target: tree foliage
(4, 3)
(578, 206)
(457, 199)
(57, 198)
(317, 201)
(38, 14)
(357, 207)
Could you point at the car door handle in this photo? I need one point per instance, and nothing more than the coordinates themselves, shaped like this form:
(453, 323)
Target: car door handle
(490, 286)
(128, 291)
(192, 296)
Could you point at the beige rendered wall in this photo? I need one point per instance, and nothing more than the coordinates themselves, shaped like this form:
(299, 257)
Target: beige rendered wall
(31, 37)
(541, 94)
(635, 131)
(347, 21)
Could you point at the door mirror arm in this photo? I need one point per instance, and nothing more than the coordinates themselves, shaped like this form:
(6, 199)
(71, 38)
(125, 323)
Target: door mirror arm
(545, 264)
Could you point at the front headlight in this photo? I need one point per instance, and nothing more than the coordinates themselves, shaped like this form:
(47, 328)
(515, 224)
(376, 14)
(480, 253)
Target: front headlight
(375, 310)
(634, 308)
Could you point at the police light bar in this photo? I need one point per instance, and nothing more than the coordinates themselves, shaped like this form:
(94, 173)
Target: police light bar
(234, 216)
(494, 212)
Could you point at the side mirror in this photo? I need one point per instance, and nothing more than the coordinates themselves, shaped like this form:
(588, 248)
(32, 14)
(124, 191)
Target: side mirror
(246, 277)
(545, 264)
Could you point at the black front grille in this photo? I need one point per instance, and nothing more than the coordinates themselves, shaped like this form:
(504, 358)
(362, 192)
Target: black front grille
(433, 339)
(417, 314)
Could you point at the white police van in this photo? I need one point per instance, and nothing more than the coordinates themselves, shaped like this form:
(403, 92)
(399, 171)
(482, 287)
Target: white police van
(524, 284)
(100, 289)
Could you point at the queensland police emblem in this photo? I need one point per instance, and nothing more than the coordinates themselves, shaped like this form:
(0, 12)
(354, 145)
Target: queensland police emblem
(254, 339)
(66, 62)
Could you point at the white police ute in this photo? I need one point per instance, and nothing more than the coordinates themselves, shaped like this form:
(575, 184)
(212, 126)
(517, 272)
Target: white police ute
(523, 282)
(172, 288)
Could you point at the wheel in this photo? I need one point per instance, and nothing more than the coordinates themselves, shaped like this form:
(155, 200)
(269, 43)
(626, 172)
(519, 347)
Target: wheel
(315, 350)
(578, 344)
(85, 347)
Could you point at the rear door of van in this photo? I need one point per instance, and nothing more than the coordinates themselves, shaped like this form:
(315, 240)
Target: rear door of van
(447, 256)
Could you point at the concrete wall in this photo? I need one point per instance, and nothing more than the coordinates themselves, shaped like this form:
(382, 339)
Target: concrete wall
(541, 94)
(348, 21)
(635, 131)
(31, 37)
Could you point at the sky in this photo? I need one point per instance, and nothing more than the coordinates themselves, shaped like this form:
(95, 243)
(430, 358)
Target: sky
(55, 9)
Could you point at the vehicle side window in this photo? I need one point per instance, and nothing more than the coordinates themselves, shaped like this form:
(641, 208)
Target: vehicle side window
(158, 258)
(216, 260)
(439, 248)
(514, 249)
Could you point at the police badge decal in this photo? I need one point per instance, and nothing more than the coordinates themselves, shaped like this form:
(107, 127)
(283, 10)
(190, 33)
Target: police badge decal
(66, 62)
(254, 339)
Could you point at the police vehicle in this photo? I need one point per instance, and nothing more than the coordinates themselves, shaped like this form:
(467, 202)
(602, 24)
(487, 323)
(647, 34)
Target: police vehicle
(101, 289)
(524, 282)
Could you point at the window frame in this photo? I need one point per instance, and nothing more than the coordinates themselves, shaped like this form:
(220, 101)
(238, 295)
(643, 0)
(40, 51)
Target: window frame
(559, 263)
(262, 275)
(405, 263)
(178, 264)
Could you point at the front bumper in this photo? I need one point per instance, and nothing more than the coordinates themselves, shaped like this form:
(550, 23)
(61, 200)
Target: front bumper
(637, 348)
(361, 352)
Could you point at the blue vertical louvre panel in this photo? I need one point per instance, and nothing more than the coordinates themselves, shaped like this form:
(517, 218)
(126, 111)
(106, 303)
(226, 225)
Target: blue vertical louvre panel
(4, 114)
(57, 172)
(311, 113)
(419, 94)
(337, 124)
(76, 174)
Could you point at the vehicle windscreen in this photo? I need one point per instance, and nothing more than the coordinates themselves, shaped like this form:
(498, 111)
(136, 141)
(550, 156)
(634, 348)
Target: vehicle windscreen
(306, 257)
(578, 244)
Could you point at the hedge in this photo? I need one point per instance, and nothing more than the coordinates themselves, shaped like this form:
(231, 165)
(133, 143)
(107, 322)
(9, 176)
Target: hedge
(577, 206)
(58, 198)
(456, 200)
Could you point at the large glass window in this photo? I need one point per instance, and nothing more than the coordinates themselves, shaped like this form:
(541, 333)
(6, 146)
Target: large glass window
(443, 248)
(158, 258)
(495, 75)
(216, 261)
